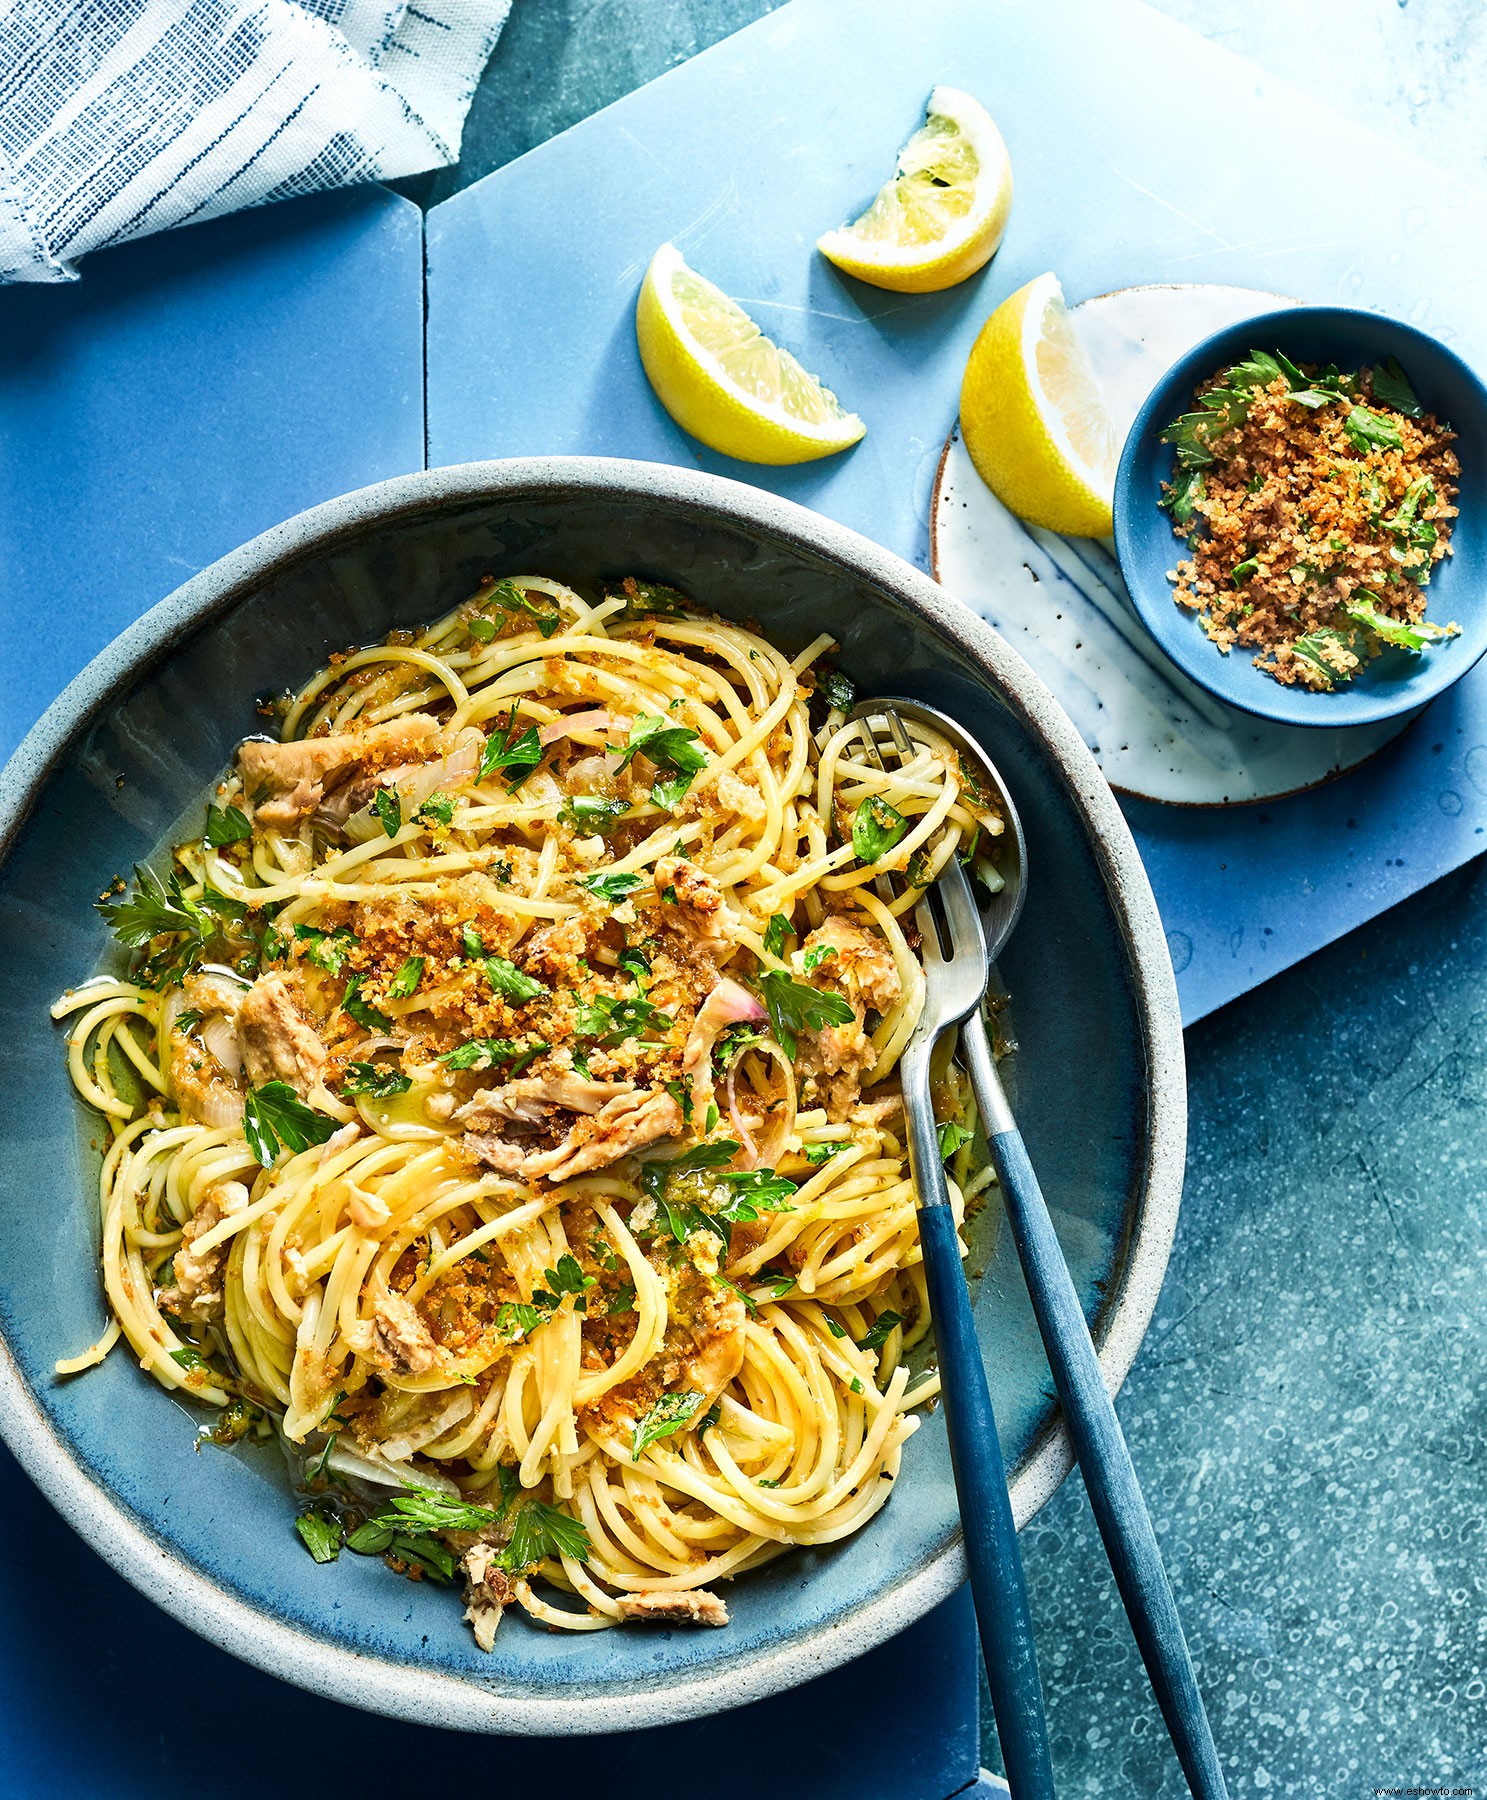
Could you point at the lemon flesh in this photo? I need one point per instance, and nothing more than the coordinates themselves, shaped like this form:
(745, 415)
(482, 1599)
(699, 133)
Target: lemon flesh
(943, 214)
(1034, 418)
(721, 379)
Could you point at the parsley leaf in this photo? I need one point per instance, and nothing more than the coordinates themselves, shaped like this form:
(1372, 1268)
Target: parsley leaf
(794, 1007)
(438, 809)
(836, 689)
(775, 933)
(186, 1018)
(611, 886)
(507, 979)
(876, 828)
(425, 1510)
(644, 597)
(328, 950)
(405, 982)
(668, 791)
(508, 751)
(365, 1014)
(671, 1413)
(507, 597)
(1363, 608)
(517, 1318)
(226, 825)
(822, 1153)
(320, 1535)
(1391, 388)
(753, 1191)
(275, 1116)
(389, 809)
(485, 1053)
(1242, 571)
(588, 813)
(160, 909)
(375, 1080)
(1370, 430)
(634, 962)
(540, 1531)
(611, 1021)
(671, 747)
(1182, 497)
(188, 1358)
(877, 1333)
(952, 1136)
(622, 1300)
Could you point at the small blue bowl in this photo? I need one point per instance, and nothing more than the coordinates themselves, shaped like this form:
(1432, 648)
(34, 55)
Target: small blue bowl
(1396, 682)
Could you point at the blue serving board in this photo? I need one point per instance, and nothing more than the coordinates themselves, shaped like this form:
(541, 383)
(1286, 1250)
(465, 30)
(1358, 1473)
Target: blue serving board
(193, 390)
(746, 153)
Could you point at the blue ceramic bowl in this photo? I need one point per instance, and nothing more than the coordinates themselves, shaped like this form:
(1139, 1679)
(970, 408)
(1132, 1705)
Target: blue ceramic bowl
(1396, 682)
(101, 782)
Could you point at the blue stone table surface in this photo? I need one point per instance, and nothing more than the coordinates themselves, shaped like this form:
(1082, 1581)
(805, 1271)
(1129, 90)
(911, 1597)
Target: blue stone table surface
(1308, 1411)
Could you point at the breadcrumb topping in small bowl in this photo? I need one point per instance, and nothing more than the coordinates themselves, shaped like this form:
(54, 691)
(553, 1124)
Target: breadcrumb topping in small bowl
(1298, 516)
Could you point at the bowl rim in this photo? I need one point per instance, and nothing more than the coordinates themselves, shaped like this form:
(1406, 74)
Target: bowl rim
(417, 1693)
(1264, 698)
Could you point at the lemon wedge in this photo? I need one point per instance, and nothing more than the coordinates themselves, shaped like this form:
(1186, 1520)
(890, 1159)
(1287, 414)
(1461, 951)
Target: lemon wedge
(1033, 415)
(720, 378)
(942, 215)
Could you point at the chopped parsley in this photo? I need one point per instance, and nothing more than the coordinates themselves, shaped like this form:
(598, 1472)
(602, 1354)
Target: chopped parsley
(671, 1413)
(405, 982)
(508, 980)
(365, 1014)
(328, 950)
(226, 825)
(817, 1154)
(815, 957)
(610, 1021)
(186, 1018)
(589, 813)
(622, 1300)
(836, 689)
(612, 885)
(485, 1053)
(1391, 388)
(634, 962)
(512, 752)
(876, 828)
(1370, 430)
(775, 933)
(275, 1117)
(438, 809)
(877, 1334)
(669, 747)
(376, 1080)
(793, 1007)
(388, 807)
(952, 1135)
(320, 1535)
(507, 597)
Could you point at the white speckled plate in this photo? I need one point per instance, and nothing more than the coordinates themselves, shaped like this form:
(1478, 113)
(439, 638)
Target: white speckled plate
(1062, 603)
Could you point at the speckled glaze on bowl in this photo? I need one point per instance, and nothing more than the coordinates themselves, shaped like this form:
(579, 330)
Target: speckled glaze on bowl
(1396, 682)
(134, 741)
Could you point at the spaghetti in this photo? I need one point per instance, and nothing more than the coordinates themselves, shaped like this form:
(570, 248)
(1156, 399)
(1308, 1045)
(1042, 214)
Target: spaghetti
(502, 1102)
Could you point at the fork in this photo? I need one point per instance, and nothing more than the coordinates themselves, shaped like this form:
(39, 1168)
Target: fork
(954, 986)
(1089, 1413)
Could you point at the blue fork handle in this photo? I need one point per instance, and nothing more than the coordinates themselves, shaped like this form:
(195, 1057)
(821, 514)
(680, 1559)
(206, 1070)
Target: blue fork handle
(1100, 1445)
(997, 1584)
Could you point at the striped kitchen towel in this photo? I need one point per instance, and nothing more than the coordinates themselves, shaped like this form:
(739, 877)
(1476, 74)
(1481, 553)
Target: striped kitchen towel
(123, 117)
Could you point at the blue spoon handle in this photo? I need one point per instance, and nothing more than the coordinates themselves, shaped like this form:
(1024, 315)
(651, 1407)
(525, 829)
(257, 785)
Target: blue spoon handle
(1100, 1445)
(998, 1587)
